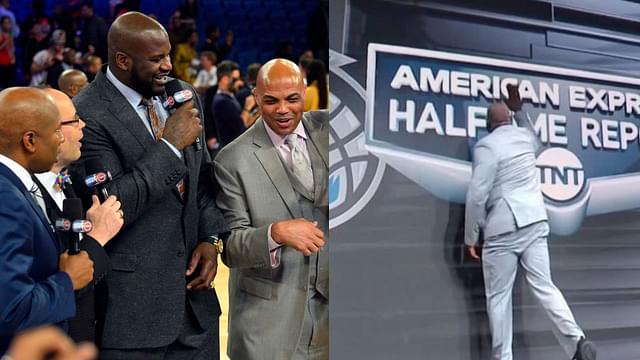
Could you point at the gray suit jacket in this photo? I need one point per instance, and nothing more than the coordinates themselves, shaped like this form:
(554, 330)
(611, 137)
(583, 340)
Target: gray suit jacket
(147, 286)
(504, 194)
(266, 305)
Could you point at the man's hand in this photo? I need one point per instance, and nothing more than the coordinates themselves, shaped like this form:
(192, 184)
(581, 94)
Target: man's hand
(514, 102)
(300, 234)
(183, 127)
(48, 343)
(206, 258)
(474, 252)
(107, 219)
(79, 267)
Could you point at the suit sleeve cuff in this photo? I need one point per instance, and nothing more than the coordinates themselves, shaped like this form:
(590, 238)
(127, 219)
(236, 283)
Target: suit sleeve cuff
(173, 148)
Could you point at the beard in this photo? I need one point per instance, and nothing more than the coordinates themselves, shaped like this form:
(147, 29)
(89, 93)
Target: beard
(142, 86)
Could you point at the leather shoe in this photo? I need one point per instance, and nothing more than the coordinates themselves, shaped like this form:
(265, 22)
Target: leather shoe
(586, 350)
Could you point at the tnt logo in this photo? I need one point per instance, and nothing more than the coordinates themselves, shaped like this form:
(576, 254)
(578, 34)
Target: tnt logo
(561, 174)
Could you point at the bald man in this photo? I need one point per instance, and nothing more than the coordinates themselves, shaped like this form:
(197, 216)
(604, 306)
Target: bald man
(71, 81)
(160, 304)
(106, 218)
(273, 181)
(36, 280)
(504, 200)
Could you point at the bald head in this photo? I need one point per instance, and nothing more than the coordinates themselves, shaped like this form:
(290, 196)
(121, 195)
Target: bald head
(280, 93)
(71, 81)
(279, 70)
(498, 114)
(139, 53)
(130, 30)
(29, 120)
(63, 103)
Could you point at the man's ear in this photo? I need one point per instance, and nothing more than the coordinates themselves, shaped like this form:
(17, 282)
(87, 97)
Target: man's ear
(29, 141)
(123, 61)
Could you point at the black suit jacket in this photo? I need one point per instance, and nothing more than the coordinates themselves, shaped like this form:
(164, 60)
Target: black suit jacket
(89, 311)
(149, 257)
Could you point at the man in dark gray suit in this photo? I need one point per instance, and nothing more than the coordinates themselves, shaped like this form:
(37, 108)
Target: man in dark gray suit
(273, 181)
(159, 303)
(504, 201)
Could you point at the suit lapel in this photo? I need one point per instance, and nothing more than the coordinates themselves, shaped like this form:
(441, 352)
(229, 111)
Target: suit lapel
(319, 142)
(53, 211)
(122, 111)
(268, 157)
(7, 173)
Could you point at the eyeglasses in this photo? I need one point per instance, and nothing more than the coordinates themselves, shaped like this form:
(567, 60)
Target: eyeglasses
(73, 122)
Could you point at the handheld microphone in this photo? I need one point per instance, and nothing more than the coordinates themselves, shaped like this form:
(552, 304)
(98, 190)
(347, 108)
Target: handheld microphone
(98, 177)
(176, 97)
(72, 212)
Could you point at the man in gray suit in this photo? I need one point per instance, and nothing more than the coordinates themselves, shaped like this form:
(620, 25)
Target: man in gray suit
(273, 181)
(504, 201)
(159, 303)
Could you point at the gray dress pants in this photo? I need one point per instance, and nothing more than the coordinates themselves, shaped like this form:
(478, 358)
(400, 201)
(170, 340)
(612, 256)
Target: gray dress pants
(500, 257)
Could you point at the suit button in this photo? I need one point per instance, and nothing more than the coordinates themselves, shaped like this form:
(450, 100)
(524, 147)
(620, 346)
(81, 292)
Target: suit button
(180, 253)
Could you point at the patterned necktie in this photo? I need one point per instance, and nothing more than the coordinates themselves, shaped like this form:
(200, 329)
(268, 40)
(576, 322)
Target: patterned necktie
(156, 125)
(300, 165)
(37, 196)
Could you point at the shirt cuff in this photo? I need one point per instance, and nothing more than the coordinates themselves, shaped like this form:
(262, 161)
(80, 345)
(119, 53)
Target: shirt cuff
(274, 250)
(173, 148)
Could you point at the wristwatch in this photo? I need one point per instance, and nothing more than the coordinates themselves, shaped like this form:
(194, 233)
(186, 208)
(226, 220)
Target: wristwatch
(217, 243)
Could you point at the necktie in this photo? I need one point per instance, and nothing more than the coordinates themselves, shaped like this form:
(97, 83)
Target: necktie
(300, 165)
(156, 125)
(37, 196)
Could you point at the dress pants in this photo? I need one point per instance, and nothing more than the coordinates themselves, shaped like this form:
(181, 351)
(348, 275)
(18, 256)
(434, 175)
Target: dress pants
(314, 339)
(193, 343)
(500, 257)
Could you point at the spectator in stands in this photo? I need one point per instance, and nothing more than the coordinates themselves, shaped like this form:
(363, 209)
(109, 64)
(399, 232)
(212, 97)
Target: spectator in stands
(227, 46)
(189, 13)
(92, 65)
(46, 59)
(4, 11)
(285, 51)
(317, 89)
(211, 43)
(94, 32)
(36, 41)
(125, 6)
(230, 118)
(208, 75)
(72, 81)
(7, 54)
(37, 16)
(304, 62)
(62, 19)
(184, 54)
(68, 62)
(250, 83)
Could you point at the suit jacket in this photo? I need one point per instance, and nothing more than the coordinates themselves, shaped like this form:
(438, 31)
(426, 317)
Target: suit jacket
(83, 326)
(147, 285)
(266, 304)
(32, 290)
(504, 194)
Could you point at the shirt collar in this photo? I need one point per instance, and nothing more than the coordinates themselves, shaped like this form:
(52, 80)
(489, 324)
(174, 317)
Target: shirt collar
(48, 179)
(133, 97)
(278, 140)
(19, 171)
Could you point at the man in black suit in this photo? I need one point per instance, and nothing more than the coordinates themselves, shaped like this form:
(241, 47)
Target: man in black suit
(160, 305)
(106, 218)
